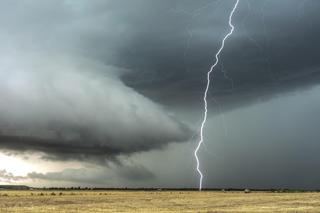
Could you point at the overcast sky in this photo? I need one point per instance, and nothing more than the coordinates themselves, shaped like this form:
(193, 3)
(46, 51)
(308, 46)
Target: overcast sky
(109, 93)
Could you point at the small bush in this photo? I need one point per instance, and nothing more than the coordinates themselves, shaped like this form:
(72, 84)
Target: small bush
(247, 191)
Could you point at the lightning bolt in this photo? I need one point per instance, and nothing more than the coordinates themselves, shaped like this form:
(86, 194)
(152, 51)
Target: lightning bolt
(206, 92)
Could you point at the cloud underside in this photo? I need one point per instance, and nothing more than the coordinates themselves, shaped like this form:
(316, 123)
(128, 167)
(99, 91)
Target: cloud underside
(99, 175)
(72, 111)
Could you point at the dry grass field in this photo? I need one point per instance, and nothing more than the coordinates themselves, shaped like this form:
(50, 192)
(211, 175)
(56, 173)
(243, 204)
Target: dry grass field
(156, 201)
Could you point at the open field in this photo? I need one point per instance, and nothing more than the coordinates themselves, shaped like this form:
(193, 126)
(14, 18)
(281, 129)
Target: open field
(156, 201)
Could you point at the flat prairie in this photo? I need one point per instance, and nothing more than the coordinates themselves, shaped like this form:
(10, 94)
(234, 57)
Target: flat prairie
(157, 201)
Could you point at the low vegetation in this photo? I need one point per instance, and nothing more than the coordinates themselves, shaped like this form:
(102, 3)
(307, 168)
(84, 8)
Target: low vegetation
(157, 201)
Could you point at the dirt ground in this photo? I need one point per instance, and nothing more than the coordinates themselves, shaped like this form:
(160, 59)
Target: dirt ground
(156, 201)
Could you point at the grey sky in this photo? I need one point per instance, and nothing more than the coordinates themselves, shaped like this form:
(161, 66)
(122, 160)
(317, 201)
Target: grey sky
(118, 85)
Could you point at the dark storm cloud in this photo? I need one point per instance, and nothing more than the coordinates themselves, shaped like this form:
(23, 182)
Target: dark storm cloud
(69, 112)
(70, 70)
(172, 43)
(274, 45)
(59, 98)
